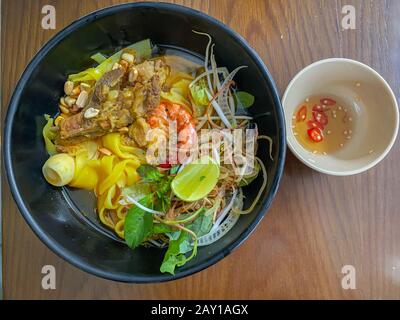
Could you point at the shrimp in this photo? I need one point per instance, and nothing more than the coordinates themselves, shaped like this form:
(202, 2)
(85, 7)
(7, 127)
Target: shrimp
(169, 117)
(162, 116)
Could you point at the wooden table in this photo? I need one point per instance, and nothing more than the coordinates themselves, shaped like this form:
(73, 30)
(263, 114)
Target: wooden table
(317, 223)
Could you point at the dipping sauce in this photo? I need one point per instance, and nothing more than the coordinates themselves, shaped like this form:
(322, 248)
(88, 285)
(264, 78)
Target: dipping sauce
(321, 125)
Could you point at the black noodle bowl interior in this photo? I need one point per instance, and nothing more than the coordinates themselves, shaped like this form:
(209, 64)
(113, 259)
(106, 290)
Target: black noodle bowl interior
(64, 218)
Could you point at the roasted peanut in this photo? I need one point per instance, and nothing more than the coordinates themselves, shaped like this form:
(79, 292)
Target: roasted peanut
(116, 66)
(82, 99)
(76, 91)
(68, 87)
(62, 102)
(105, 151)
(84, 86)
(91, 113)
(64, 109)
(128, 57)
(70, 101)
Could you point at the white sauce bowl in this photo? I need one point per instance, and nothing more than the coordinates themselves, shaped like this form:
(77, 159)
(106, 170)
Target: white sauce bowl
(374, 106)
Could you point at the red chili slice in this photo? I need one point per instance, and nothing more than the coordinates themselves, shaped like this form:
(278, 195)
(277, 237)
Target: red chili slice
(314, 124)
(302, 114)
(328, 101)
(317, 107)
(315, 134)
(165, 166)
(320, 108)
(320, 117)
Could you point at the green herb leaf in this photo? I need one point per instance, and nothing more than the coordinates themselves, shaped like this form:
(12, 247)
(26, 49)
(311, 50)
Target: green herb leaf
(175, 255)
(164, 185)
(203, 224)
(174, 169)
(138, 223)
(245, 99)
(179, 246)
(199, 93)
(169, 264)
(161, 228)
(174, 235)
(163, 194)
(149, 173)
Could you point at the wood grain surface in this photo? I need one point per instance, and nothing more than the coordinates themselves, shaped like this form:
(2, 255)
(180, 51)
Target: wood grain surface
(317, 223)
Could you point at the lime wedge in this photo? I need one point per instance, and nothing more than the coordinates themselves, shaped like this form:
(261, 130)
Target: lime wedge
(196, 180)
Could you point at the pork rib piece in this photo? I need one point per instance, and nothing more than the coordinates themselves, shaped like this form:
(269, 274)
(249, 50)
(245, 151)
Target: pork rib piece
(119, 113)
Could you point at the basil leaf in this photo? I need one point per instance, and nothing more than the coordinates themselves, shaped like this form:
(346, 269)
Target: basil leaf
(245, 99)
(149, 173)
(138, 223)
(163, 194)
(164, 185)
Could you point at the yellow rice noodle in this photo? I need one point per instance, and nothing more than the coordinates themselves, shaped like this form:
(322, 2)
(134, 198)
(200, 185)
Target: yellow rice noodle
(106, 175)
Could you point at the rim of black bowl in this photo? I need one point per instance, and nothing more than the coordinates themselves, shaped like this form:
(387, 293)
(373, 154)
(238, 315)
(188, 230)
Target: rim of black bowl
(71, 257)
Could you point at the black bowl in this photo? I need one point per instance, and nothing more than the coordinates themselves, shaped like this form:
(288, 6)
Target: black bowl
(60, 218)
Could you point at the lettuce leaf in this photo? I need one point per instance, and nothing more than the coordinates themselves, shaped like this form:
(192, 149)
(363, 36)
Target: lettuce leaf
(179, 93)
(49, 136)
(199, 94)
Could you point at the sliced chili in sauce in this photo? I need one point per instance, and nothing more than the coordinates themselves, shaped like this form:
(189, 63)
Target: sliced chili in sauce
(302, 114)
(315, 134)
(320, 117)
(328, 101)
(314, 124)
